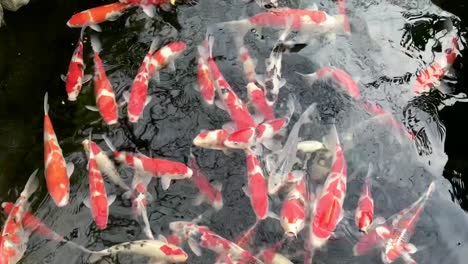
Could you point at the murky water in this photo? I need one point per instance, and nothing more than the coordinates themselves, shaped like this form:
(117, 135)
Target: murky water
(391, 40)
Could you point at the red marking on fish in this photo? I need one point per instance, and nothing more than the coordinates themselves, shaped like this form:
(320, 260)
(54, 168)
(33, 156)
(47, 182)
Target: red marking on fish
(248, 63)
(214, 196)
(205, 84)
(365, 209)
(257, 97)
(165, 55)
(75, 74)
(241, 139)
(293, 210)
(300, 18)
(139, 90)
(97, 15)
(211, 139)
(342, 79)
(257, 186)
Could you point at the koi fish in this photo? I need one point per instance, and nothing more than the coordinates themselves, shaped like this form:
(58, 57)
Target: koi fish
(256, 189)
(97, 201)
(205, 84)
(365, 208)
(257, 97)
(280, 163)
(105, 165)
(431, 75)
(211, 139)
(338, 76)
(157, 251)
(342, 11)
(167, 170)
(237, 110)
(92, 17)
(403, 227)
(33, 224)
(75, 76)
(14, 237)
(293, 211)
(165, 56)
(270, 255)
(140, 204)
(103, 91)
(57, 173)
(149, 6)
(208, 192)
(329, 205)
(138, 98)
(200, 236)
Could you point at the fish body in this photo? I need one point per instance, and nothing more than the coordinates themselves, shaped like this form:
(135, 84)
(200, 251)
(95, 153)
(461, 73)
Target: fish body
(241, 139)
(437, 70)
(105, 165)
(293, 214)
(57, 172)
(258, 99)
(166, 55)
(257, 189)
(339, 77)
(211, 139)
(14, 237)
(329, 206)
(96, 15)
(139, 98)
(205, 84)
(201, 236)
(103, 91)
(156, 250)
(98, 202)
(75, 75)
(365, 209)
(208, 192)
(248, 63)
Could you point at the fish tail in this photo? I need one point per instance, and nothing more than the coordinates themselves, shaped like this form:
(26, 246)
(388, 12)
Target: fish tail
(96, 44)
(108, 143)
(46, 103)
(154, 44)
(82, 33)
(31, 185)
(211, 40)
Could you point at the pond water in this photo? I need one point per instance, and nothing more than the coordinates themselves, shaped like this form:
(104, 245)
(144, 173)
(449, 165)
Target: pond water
(390, 42)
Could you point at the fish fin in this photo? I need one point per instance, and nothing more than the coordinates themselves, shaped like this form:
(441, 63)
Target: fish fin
(310, 78)
(273, 215)
(411, 248)
(156, 77)
(96, 44)
(165, 182)
(171, 66)
(148, 100)
(272, 144)
(220, 104)
(199, 199)
(95, 27)
(96, 256)
(63, 77)
(282, 83)
(46, 103)
(260, 79)
(218, 186)
(31, 184)
(111, 199)
(382, 231)
(87, 202)
(127, 195)
(230, 127)
(108, 143)
(246, 191)
(150, 10)
(92, 108)
(257, 150)
(194, 247)
(126, 96)
(87, 78)
(162, 238)
(70, 169)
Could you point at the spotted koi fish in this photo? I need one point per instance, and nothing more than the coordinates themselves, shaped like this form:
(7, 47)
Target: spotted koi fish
(103, 91)
(75, 77)
(57, 172)
(92, 17)
(365, 208)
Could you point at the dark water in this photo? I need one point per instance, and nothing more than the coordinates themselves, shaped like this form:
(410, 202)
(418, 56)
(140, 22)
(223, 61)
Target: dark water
(35, 51)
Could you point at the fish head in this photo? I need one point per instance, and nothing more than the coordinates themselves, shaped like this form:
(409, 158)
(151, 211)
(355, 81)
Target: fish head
(241, 139)
(73, 95)
(364, 221)
(292, 229)
(209, 138)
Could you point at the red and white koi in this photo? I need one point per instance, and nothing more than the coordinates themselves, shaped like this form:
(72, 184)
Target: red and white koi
(33, 223)
(157, 251)
(92, 17)
(200, 236)
(329, 204)
(293, 211)
(431, 75)
(57, 172)
(256, 186)
(262, 106)
(167, 170)
(205, 84)
(105, 165)
(342, 11)
(208, 192)
(140, 204)
(75, 76)
(211, 139)
(281, 162)
(14, 237)
(97, 202)
(237, 110)
(103, 91)
(338, 76)
(365, 208)
(165, 56)
(149, 6)
(138, 98)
